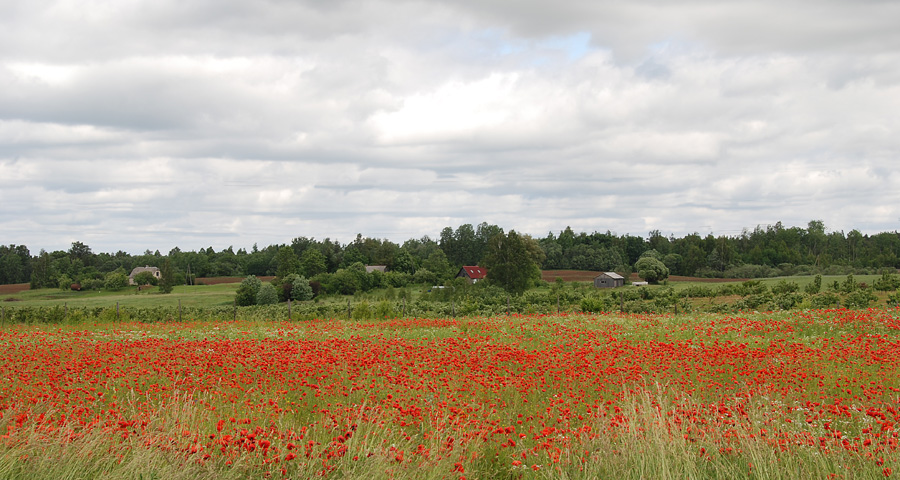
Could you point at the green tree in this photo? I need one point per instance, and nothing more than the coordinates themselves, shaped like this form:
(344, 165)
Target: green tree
(267, 294)
(41, 273)
(64, 282)
(145, 278)
(437, 263)
(166, 277)
(404, 262)
(287, 262)
(296, 287)
(246, 292)
(651, 269)
(115, 280)
(313, 262)
(301, 290)
(510, 262)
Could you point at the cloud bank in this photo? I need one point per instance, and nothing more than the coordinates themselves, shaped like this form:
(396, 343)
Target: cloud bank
(136, 125)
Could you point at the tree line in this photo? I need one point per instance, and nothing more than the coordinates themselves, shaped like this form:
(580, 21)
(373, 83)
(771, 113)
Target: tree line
(761, 252)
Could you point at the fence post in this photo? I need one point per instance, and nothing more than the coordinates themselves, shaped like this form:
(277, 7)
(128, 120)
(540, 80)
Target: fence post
(117, 311)
(452, 308)
(557, 304)
(621, 302)
(348, 309)
(404, 306)
(289, 309)
(235, 309)
(507, 305)
(66, 311)
(179, 309)
(3, 315)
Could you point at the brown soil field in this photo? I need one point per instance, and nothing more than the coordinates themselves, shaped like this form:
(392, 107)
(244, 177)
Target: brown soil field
(220, 280)
(588, 276)
(14, 288)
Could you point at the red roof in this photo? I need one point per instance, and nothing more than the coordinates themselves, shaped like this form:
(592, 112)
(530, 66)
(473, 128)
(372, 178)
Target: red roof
(475, 273)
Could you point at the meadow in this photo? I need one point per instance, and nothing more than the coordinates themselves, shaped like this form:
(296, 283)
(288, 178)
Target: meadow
(794, 394)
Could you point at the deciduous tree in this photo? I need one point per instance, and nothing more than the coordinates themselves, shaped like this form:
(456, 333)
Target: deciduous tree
(511, 262)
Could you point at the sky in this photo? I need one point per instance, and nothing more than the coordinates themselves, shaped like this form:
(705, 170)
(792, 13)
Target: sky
(149, 124)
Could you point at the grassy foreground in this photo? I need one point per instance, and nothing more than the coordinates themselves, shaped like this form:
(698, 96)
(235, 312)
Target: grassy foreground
(802, 394)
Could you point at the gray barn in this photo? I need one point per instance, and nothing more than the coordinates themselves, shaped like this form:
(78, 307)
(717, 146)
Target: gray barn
(609, 280)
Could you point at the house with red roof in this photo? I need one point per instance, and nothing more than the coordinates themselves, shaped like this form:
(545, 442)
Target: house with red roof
(472, 274)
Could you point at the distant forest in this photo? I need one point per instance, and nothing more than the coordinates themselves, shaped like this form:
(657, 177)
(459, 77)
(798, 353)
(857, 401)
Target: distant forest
(762, 252)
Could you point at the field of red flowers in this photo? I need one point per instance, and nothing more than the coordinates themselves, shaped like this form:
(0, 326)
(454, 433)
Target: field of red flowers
(803, 394)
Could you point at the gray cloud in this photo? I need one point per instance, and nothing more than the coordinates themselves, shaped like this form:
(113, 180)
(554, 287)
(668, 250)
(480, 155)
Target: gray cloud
(154, 124)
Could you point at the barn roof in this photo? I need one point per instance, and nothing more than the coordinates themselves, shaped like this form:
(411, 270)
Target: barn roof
(138, 270)
(475, 272)
(612, 275)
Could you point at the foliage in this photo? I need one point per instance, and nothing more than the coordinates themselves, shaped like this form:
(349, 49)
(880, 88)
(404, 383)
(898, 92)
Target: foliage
(267, 294)
(145, 278)
(286, 262)
(887, 283)
(814, 287)
(783, 286)
(786, 300)
(651, 269)
(824, 300)
(64, 282)
(116, 280)
(300, 289)
(247, 291)
(312, 262)
(362, 311)
(762, 252)
(859, 298)
(511, 262)
(166, 277)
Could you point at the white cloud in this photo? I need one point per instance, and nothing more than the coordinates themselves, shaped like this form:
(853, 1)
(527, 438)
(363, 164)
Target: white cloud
(138, 124)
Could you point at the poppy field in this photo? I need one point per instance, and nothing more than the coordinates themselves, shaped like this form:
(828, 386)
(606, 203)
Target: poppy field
(797, 394)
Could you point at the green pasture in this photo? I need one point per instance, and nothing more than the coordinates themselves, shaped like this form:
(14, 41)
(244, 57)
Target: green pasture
(189, 295)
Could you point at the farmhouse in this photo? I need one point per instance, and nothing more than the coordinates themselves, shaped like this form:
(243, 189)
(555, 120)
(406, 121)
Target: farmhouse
(472, 274)
(609, 280)
(374, 268)
(137, 270)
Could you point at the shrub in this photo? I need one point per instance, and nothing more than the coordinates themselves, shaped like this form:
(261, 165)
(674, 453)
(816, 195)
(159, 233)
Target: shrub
(887, 282)
(603, 303)
(849, 285)
(787, 300)
(301, 289)
(246, 293)
(115, 281)
(814, 287)
(824, 300)
(267, 295)
(783, 286)
(145, 278)
(860, 298)
(362, 311)
(385, 309)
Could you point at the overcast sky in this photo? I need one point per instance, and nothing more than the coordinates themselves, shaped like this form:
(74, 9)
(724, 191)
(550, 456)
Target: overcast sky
(146, 124)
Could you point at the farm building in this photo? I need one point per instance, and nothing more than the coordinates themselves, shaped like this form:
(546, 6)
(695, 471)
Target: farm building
(373, 268)
(137, 270)
(472, 274)
(609, 280)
